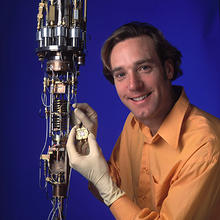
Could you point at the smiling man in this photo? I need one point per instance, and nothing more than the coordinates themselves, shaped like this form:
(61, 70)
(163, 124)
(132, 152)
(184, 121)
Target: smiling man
(165, 164)
(142, 82)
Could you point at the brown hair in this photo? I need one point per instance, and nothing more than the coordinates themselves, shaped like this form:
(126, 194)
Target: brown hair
(164, 49)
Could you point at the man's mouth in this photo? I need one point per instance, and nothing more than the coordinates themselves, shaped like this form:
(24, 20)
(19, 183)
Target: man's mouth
(140, 98)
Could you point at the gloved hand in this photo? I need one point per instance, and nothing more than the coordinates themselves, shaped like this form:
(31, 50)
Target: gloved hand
(84, 114)
(93, 167)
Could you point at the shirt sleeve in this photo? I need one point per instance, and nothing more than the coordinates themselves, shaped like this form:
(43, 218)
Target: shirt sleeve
(113, 166)
(192, 195)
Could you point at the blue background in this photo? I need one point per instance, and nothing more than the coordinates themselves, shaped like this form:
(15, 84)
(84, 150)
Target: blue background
(190, 25)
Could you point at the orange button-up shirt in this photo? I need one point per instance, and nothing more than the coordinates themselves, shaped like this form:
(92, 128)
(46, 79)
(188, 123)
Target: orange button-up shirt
(176, 172)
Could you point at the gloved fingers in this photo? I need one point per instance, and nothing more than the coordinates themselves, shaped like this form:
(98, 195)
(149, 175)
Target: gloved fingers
(70, 146)
(86, 121)
(93, 145)
(88, 110)
(82, 148)
(74, 120)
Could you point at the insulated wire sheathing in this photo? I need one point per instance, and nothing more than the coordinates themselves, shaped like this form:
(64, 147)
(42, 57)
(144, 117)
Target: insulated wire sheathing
(45, 144)
(44, 100)
(54, 213)
(68, 191)
(53, 210)
(58, 206)
(46, 136)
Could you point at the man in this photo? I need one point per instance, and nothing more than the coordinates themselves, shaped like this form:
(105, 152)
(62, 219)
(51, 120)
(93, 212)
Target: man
(165, 164)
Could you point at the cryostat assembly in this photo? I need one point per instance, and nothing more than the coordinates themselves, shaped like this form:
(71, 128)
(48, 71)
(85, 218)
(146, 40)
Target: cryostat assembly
(61, 38)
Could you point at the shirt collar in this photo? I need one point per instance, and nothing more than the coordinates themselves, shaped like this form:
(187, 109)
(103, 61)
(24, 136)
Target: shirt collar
(171, 127)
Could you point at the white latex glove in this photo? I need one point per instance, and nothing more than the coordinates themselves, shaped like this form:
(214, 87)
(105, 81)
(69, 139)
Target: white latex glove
(85, 114)
(94, 168)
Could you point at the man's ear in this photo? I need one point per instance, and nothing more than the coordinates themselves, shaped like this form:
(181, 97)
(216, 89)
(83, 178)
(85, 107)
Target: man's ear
(169, 69)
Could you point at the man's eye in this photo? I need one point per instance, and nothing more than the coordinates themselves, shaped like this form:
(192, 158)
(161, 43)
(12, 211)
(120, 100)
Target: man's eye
(144, 69)
(119, 76)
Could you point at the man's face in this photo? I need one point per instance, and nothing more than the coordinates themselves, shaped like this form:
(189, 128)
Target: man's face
(141, 81)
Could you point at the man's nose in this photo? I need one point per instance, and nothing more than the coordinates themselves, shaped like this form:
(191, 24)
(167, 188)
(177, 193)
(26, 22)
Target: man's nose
(135, 82)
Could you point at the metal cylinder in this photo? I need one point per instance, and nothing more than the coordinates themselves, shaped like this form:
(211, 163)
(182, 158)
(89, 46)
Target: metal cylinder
(74, 35)
(60, 36)
(46, 35)
(39, 38)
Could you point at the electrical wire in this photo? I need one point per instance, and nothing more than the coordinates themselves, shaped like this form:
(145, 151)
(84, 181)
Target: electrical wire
(44, 100)
(53, 210)
(54, 213)
(68, 192)
(46, 136)
(45, 144)
(60, 213)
